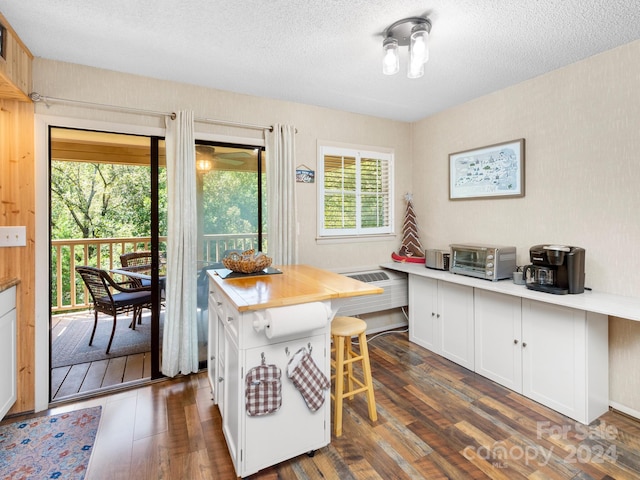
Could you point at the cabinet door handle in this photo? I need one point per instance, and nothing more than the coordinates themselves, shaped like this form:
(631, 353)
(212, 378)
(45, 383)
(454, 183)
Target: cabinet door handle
(524, 344)
(515, 341)
(438, 315)
(433, 314)
(219, 304)
(220, 379)
(229, 319)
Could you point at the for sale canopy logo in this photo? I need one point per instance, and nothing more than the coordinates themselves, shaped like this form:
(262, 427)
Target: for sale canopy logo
(593, 446)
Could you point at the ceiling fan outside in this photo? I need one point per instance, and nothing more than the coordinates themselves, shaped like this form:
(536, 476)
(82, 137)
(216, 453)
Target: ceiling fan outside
(206, 153)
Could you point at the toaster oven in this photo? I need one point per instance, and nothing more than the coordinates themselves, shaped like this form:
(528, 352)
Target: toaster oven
(491, 262)
(437, 259)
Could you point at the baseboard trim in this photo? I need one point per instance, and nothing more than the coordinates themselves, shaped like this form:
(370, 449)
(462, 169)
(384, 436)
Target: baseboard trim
(630, 412)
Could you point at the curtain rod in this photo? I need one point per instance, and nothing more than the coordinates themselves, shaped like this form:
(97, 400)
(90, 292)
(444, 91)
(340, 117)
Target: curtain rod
(36, 97)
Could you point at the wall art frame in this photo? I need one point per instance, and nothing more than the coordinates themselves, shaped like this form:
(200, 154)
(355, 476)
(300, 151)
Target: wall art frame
(494, 171)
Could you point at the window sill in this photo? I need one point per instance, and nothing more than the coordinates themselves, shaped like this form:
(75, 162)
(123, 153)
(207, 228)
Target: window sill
(355, 239)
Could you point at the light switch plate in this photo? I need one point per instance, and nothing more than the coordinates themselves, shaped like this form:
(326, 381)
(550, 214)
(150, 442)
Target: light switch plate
(13, 236)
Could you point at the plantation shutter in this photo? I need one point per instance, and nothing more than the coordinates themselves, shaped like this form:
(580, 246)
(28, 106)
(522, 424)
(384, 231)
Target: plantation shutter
(355, 194)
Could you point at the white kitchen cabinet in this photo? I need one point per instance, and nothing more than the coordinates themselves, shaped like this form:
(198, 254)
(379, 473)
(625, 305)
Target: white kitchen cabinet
(8, 367)
(551, 348)
(554, 355)
(565, 359)
(455, 304)
(441, 318)
(498, 338)
(423, 305)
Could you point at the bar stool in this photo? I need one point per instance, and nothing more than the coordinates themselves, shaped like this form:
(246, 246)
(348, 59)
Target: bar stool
(342, 329)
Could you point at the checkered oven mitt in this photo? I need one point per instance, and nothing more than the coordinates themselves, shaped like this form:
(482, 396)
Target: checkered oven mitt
(308, 379)
(263, 390)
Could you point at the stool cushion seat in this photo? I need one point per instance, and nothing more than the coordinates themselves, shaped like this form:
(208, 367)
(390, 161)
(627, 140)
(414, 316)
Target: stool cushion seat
(347, 326)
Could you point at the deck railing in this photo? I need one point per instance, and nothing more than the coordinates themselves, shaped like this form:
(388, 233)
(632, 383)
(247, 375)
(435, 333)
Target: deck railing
(67, 289)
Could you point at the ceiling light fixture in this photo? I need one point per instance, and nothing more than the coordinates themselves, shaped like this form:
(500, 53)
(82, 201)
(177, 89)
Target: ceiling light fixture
(414, 32)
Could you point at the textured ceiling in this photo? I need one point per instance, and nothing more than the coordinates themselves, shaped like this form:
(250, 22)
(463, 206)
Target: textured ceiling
(326, 52)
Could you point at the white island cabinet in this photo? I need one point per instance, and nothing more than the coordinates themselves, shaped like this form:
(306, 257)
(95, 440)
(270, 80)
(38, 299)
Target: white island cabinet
(8, 367)
(238, 342)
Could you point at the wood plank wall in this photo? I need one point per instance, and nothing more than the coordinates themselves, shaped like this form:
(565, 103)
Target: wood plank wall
(17, 207)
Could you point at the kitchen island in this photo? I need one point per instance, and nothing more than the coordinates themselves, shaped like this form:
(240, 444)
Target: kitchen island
(266, 319)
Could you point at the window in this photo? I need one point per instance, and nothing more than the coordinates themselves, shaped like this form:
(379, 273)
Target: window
(355, 192)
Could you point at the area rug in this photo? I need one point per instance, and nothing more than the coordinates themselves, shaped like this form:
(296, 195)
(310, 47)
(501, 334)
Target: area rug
(71, 347)
(57, 446)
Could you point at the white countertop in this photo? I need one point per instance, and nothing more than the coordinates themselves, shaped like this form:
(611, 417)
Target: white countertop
(590, 301)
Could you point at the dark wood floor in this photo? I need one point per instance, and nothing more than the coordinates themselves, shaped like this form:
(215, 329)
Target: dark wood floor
(436, 420)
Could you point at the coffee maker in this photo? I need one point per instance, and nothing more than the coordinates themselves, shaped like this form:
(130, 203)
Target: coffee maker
(555, 269)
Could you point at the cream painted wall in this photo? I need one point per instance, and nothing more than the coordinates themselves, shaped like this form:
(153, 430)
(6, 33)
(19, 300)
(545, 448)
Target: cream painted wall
(70, 81)
(581, 125)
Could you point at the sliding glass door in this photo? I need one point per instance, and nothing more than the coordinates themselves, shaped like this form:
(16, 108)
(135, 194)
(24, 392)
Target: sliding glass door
(108, 196)
(231, 188)
(108, 200)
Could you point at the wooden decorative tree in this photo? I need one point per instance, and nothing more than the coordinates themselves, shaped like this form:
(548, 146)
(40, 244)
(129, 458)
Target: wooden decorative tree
(411, 246)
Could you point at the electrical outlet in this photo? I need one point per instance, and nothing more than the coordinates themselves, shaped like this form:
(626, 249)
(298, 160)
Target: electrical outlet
(13, 236)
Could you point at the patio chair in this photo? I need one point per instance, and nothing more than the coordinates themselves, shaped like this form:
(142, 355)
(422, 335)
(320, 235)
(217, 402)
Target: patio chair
(137, 262)
(111, 298)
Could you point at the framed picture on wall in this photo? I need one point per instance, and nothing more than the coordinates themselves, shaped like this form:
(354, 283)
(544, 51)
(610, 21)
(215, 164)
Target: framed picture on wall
(494, 171)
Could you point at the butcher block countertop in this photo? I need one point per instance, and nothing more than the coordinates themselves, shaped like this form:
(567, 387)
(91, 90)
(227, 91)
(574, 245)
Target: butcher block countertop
(296, 284)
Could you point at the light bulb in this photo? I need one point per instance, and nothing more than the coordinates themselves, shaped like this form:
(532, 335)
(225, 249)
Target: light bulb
(415, 69)
(390, 59)
(419, 50)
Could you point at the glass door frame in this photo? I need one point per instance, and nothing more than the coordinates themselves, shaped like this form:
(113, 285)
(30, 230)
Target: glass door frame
(154, 167)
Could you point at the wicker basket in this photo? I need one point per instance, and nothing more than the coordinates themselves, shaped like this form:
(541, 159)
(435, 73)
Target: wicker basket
(246, 262)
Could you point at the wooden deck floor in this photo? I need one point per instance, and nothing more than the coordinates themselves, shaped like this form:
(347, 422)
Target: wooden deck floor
(98, 376)
(94, 377)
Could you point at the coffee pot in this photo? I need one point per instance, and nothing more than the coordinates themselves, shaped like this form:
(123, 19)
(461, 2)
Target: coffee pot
(557, 269)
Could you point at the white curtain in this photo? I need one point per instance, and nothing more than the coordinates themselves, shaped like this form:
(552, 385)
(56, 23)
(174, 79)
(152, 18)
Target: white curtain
(180, 338)
(281, 188)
